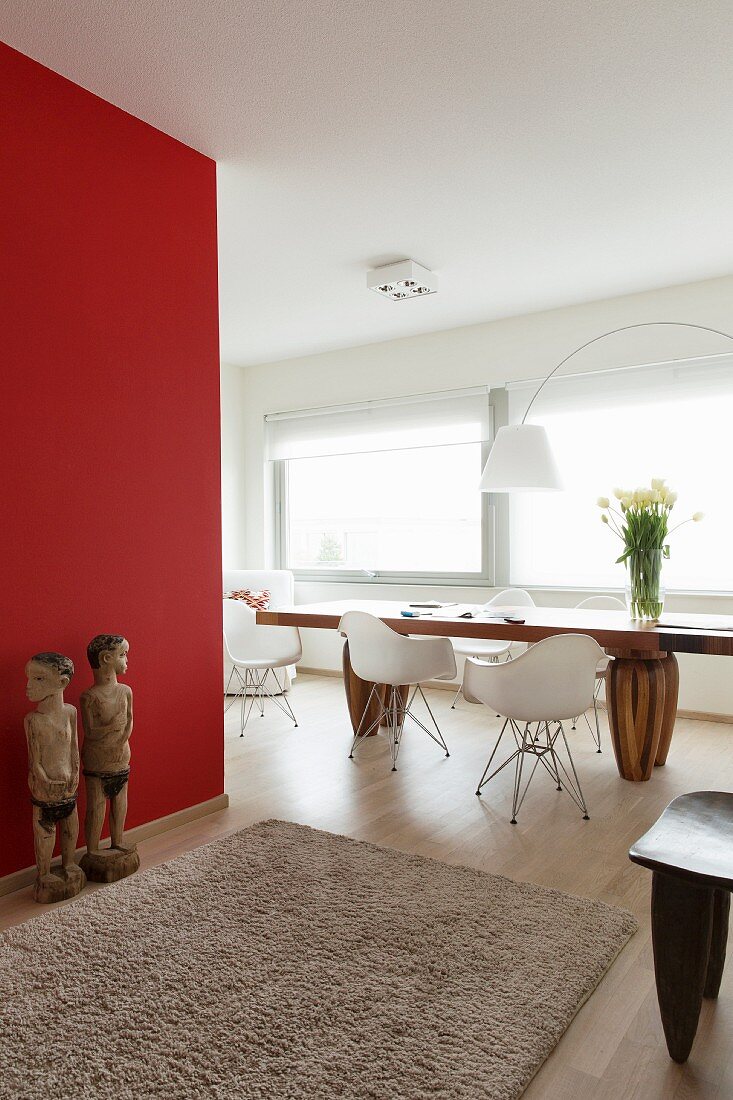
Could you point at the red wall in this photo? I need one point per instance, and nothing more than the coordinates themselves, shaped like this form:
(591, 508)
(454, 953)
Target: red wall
(109, 430)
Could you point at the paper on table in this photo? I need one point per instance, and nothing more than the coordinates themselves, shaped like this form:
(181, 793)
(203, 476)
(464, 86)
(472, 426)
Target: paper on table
(432, 605)
(697, 622)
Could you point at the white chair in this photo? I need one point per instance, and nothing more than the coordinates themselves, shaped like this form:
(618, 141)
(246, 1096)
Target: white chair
(255, 652)
(599, 603)
(280, 583)
(543, 687)
(491, 649)
(380, 656)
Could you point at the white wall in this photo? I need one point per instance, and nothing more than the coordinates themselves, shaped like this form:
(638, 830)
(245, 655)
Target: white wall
(233, 494)
(493, 353)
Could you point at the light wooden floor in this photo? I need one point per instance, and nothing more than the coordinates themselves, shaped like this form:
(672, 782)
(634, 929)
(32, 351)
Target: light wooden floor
(615, 1048)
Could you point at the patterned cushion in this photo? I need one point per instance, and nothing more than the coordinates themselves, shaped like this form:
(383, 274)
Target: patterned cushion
(258, 601)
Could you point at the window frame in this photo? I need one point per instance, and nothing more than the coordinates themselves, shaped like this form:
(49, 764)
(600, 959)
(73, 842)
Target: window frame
(483, 578)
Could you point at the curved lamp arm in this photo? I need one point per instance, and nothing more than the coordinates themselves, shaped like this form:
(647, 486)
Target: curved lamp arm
(521, 459)
(612, 332)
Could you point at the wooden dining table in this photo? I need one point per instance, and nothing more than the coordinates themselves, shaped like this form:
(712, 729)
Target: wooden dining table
(642, 680)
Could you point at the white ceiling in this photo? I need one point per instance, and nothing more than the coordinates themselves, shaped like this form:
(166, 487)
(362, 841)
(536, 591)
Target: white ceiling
(533, 153)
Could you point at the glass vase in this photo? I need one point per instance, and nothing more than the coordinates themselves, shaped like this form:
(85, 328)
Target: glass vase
(644, 588)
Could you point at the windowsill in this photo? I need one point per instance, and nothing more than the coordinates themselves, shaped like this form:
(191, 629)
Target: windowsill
(405, 580)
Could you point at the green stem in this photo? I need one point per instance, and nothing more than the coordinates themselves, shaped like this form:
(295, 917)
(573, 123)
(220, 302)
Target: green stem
(645, 570)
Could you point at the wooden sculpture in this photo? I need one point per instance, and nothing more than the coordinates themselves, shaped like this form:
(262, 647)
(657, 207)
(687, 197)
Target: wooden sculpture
(53, 775)
(106, 711)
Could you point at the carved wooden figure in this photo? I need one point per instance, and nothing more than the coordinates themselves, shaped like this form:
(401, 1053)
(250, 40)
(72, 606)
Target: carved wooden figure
(106, 711)
(53, 775)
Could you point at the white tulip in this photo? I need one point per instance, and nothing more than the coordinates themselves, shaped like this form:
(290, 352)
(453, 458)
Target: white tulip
(627, 501)
(657, 483)
(619, 494)
(671, 498)
(604, 519)
(698, 516)
(603, 502)
(655, 496)
(664, 494)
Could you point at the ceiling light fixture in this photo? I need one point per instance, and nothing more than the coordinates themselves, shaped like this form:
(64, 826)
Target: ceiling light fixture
(402, 280)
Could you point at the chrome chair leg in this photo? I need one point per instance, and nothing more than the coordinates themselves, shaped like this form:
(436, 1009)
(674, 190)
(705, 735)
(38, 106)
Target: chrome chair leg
(359, 735)
(542, 744)
(280, 699)
(233, 700)
(253, 690)
(250, 682)
(598, 726)
(396, 713)
(595, 734)
(439, 740)
(483, 780)
(573, 788)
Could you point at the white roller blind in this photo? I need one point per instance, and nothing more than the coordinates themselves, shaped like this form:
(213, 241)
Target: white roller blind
(433, 419)
(623, 386)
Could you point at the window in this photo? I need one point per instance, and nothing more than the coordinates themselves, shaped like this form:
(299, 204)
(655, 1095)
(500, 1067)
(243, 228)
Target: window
(386, 487)
(621, 428)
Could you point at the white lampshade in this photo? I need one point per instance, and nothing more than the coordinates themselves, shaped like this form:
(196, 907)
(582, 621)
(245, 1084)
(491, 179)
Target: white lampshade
(520, 460)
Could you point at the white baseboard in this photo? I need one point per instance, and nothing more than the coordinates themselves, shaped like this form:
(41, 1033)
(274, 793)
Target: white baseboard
(706, 716)
(18, 879)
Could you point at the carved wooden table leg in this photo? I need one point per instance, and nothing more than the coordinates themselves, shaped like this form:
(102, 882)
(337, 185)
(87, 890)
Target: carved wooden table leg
(682, 925)
(641, 692)
(718, 942)
(671, 691)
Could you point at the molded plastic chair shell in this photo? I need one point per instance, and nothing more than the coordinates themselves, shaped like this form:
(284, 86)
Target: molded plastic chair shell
(511, 597)
(602, 603)
(552, 681)
(380, 655)
(493, 647)
(251, 646)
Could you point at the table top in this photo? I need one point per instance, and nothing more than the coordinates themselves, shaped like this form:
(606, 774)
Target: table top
(613, 630)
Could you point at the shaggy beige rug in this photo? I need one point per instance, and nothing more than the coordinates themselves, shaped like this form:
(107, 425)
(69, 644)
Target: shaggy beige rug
(283, 962)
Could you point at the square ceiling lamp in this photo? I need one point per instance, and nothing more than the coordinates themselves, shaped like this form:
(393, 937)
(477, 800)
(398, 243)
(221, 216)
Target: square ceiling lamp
(402, 281)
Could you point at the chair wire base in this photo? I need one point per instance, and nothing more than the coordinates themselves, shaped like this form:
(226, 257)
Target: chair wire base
(543, 745)
(255, 687)
(395, 713)
(595, 733)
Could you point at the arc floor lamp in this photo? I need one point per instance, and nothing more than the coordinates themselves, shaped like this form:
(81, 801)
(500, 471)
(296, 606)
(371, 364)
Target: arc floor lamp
(521, 458)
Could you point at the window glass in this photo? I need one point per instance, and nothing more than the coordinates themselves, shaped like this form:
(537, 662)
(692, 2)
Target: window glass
(406, 511)
(558, 538)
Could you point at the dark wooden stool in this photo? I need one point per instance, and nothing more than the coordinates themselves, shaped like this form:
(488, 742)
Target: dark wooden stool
(690, 851)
